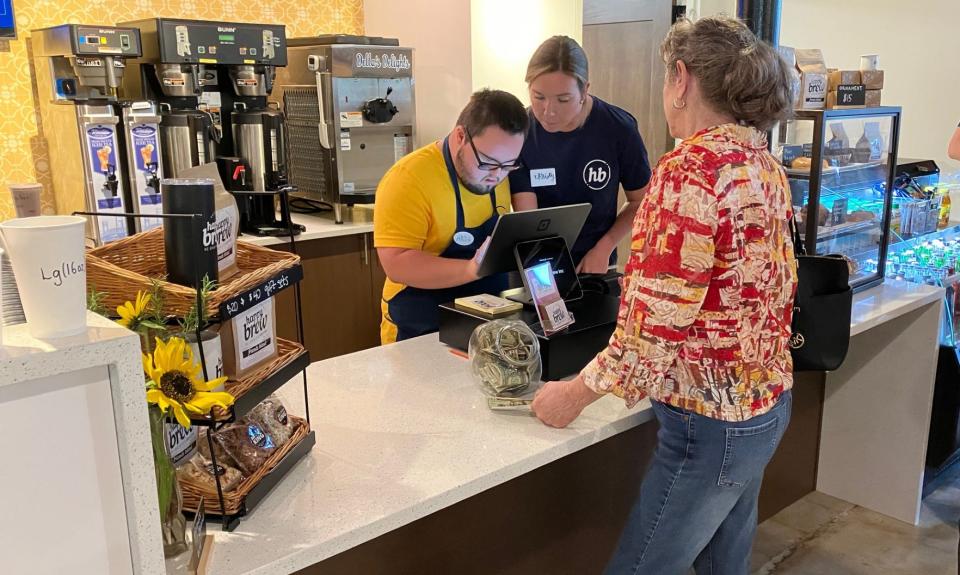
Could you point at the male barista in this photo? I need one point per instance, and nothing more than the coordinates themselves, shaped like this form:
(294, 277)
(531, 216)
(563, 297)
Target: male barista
(437, 206)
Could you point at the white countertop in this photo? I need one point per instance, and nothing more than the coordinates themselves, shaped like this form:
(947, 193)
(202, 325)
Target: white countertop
(22, 357)
(402, 432)
(889, 300)
(358, 220)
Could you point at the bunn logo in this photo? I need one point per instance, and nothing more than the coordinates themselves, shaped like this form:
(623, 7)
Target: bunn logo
(596, 174)
(224, 29)
(543, 225)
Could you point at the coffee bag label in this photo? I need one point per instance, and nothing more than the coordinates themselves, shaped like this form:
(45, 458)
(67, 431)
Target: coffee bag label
(253, 332)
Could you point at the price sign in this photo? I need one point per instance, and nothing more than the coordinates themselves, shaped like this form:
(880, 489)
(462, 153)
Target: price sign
(260, 293)
(838, 212)
(851, 96)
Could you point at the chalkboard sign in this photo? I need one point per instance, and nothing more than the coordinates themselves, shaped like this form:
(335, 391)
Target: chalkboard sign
(851, 96)
(838, 211)
(261, 292)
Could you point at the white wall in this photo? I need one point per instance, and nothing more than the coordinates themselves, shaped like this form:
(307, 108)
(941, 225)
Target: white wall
(918, 46)
(439, 32)
(504, 34)
(464, 45)
(704, 8)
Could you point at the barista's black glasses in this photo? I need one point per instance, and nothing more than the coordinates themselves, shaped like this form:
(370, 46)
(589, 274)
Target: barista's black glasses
(491, 166)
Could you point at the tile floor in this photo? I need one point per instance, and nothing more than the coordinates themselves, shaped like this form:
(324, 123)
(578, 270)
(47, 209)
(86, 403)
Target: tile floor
(821, 535)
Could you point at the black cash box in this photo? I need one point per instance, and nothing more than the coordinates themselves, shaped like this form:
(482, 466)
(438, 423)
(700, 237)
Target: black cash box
(562, 354)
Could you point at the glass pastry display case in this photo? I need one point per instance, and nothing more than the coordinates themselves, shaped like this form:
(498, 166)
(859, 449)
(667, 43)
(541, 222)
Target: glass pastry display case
(841, 166)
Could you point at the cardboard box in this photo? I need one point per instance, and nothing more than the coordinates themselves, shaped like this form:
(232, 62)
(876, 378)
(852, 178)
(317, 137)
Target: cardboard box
(873, 98)
(842, 77)
(813, 79)
(872, 79)
(249, 339)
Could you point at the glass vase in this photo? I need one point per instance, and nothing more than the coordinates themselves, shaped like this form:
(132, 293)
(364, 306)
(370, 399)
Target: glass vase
(172, 522)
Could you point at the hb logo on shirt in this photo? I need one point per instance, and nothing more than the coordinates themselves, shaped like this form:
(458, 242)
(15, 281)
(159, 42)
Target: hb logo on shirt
(596, 174)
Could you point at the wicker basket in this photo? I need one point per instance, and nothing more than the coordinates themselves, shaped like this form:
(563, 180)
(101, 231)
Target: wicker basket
(287, 352)
(120, 269)
(233, 500)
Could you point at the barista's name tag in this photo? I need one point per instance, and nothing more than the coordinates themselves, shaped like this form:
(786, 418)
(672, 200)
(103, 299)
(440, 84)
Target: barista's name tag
(463, 238)
(543, 177)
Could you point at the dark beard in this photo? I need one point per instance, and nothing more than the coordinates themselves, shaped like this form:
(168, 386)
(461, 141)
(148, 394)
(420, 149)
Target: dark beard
(478, 189)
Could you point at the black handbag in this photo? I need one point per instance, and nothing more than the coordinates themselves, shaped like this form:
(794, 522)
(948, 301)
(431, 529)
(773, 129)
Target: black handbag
(821, 309)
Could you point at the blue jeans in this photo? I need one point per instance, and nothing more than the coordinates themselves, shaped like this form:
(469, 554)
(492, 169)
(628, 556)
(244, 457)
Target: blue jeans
(698, 501)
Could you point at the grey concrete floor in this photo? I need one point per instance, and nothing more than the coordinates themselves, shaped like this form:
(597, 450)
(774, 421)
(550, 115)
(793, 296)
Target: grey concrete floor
(822, 535)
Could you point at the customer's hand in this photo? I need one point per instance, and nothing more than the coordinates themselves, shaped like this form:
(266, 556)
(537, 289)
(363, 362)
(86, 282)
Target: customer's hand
(558, 403)
(597, 260)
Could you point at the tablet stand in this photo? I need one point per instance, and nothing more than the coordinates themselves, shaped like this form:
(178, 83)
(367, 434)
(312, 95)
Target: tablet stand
(556, 248)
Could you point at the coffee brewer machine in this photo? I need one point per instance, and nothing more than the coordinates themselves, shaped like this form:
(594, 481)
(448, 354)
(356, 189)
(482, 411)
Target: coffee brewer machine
(171, 76)
(349, 105)
(212, 80)
(82, 67)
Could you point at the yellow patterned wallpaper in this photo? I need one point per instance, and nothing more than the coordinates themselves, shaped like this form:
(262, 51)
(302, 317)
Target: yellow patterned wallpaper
(23, 152)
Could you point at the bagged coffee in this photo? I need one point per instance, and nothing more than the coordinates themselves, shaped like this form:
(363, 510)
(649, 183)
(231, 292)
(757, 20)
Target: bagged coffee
(247, 444)
(249, 339)
(272, 416)
(201, 470)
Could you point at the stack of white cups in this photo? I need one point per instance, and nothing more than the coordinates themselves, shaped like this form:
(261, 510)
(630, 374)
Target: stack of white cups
(26, 203)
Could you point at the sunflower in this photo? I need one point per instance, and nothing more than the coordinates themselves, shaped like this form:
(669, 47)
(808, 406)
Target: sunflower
(136, 316)
(174, 382)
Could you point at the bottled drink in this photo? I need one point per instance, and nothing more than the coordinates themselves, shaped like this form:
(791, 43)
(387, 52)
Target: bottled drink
(944, 219)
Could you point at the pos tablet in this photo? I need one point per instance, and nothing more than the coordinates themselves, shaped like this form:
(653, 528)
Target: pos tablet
(516, 227)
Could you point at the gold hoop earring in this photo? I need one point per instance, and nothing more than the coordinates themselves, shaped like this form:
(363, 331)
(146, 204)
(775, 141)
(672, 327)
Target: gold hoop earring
(679, 103)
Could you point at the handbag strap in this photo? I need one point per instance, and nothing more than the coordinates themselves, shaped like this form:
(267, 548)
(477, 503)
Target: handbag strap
(798, 249)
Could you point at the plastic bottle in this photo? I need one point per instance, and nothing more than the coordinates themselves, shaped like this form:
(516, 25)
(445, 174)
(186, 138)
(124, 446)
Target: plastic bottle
(944, 220)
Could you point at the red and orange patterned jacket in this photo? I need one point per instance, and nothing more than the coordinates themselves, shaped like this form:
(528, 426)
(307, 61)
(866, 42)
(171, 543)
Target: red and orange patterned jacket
(708, 291)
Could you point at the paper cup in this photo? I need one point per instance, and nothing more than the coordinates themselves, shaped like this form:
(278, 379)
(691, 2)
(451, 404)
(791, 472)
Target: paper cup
(26, 199)
(869, 62)
(48, 261)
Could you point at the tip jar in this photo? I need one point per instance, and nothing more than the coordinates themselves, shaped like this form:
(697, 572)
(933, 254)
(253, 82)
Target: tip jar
(505, 358)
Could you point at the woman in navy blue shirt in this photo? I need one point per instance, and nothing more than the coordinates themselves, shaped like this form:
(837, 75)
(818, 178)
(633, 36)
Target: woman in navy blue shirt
(579, 149)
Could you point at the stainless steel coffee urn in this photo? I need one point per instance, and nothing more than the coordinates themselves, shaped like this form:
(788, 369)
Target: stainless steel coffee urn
(349, 104)
(259, 134)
